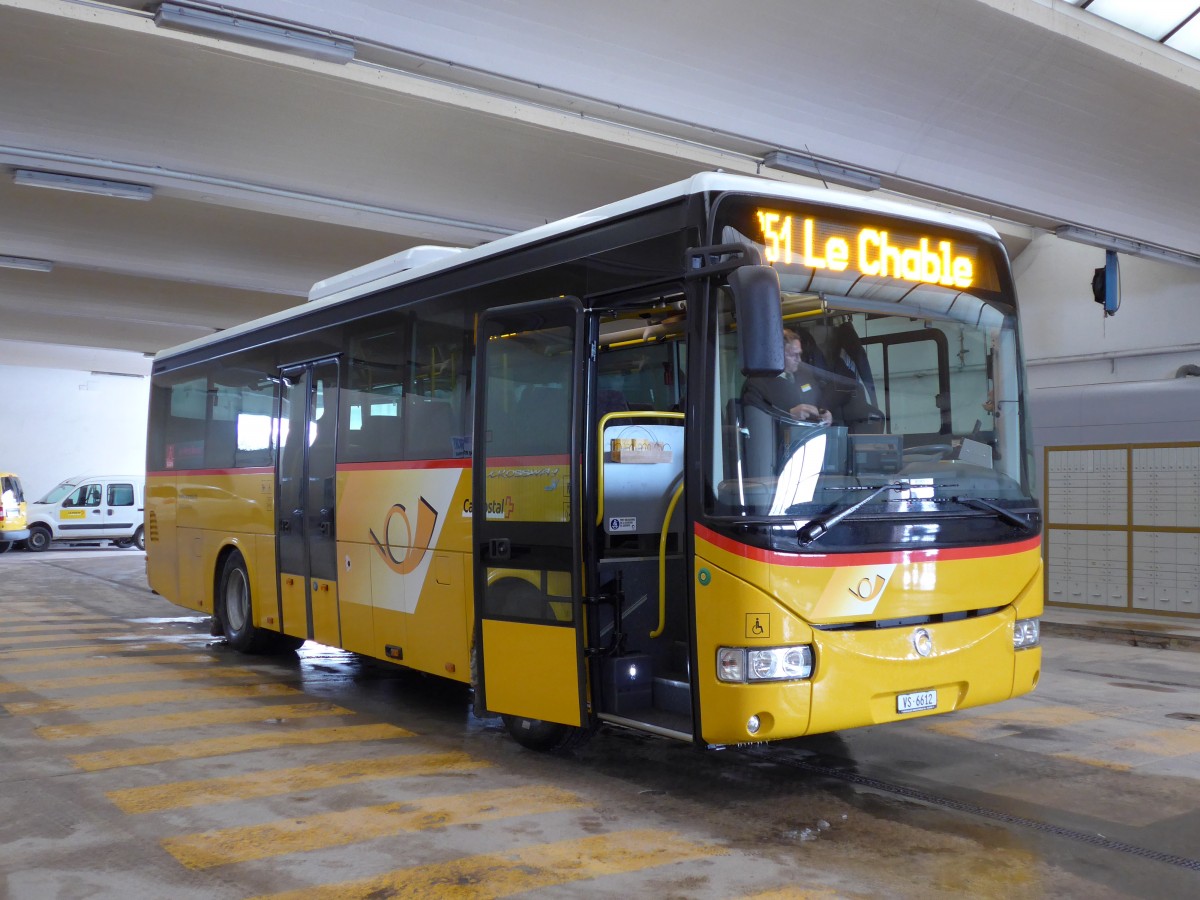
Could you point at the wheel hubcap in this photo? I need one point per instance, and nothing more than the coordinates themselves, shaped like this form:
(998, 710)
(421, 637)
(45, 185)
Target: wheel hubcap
(237, 606)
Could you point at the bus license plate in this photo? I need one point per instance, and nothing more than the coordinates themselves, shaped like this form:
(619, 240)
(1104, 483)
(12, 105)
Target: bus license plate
(917, 701)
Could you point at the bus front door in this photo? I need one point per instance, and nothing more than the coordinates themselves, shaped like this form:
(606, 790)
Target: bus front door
(306, 489)
(526, 514)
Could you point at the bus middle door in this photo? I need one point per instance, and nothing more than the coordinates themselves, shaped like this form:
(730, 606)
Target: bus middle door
(526, 513)
(306, 492)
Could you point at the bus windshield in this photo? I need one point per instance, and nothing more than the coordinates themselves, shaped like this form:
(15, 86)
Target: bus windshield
(868, 397)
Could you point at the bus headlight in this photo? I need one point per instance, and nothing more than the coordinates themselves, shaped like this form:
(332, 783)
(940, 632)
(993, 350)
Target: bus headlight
(1027, 633)
(739, 665)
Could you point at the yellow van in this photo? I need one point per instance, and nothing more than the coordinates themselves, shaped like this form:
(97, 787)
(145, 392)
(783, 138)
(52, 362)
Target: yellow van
(12, 511)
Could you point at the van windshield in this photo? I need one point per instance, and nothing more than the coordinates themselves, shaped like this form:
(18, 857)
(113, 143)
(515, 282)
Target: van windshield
(58, 492)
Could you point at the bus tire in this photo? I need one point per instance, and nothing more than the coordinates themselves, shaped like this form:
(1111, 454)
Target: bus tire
(236, 608)
(5, 546)
(39, 538)
(535, 734)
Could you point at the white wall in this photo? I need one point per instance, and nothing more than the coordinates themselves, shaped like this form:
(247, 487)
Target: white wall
(1068, 339)
(57, 421)
(1107, 380)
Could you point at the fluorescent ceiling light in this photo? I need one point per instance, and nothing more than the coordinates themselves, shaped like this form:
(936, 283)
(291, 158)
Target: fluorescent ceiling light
(826, 171)
(22, 262)
(82, 185)
(1127, 246)
(257, 33)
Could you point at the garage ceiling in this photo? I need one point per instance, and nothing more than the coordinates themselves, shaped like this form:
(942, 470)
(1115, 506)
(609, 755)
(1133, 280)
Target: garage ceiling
(467, 120)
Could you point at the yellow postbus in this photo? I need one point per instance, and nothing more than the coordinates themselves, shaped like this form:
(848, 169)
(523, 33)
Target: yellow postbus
(730, 461)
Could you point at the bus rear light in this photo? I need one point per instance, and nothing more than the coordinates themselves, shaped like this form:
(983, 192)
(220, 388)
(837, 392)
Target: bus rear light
(739, 665)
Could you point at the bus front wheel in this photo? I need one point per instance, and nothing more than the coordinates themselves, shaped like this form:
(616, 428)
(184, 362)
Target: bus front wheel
(536, 734)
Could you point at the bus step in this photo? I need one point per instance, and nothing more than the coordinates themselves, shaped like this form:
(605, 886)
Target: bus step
(627, 682)
(673, 696)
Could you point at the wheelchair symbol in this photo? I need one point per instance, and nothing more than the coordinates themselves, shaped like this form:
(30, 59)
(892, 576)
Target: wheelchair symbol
(758, 625)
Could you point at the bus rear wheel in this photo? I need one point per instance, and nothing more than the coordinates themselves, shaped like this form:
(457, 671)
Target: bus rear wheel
(536, 734)
(235, 608)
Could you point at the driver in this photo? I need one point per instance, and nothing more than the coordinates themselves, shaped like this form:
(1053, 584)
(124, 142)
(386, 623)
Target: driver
(798, 389)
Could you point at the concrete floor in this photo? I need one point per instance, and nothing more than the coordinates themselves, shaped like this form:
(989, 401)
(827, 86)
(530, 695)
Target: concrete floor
(138, 759)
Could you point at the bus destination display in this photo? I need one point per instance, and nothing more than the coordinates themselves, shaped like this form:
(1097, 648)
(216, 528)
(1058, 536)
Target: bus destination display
(816, 244)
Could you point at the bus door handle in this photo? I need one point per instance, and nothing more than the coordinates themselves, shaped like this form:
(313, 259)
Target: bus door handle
(286, 524)
(326, 522)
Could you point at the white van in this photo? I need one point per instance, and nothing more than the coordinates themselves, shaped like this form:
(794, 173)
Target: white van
(90, 508)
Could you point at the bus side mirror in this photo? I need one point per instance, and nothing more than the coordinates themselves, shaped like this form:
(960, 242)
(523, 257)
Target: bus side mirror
(758, 307)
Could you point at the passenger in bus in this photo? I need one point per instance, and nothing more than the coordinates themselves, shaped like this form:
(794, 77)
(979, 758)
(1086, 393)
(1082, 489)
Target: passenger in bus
(799, 390)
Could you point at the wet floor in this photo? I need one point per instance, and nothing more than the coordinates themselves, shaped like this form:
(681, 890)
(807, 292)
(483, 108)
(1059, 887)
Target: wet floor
(141, 757)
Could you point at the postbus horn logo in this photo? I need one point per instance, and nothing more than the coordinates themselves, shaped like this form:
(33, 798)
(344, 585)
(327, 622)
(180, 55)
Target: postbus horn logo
(867, 590)
(414, 546)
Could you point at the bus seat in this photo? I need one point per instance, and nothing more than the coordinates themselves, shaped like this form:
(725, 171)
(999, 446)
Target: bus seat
(540, 404)
(380, 437)
(428, 425)
(608, 401)
(220, 444)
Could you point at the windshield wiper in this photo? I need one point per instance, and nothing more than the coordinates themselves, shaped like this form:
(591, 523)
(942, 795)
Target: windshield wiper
(1007, 515)
(814, 528)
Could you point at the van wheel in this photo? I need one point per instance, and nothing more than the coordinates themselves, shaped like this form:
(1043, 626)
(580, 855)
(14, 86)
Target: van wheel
(139, 538)
(39, 538)
(535, 734)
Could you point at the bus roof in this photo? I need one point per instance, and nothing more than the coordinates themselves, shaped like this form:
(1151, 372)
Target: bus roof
(419, 262)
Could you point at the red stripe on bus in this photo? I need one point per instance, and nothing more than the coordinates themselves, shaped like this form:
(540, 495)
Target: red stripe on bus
(398, 464)
(512, 462)
(887, 557)
(171, 473)
(498, 461)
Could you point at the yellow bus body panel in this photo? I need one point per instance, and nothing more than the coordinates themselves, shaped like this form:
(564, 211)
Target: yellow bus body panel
(293, 604)
(858, 673)
(536, 676)
(327, 628)
(391, 591)
(162, 541)
(404, 537)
